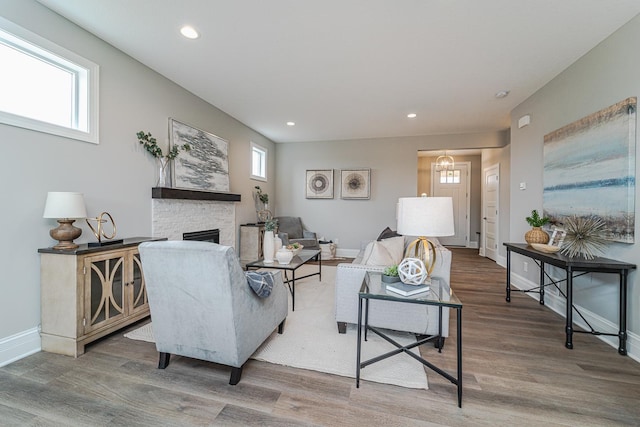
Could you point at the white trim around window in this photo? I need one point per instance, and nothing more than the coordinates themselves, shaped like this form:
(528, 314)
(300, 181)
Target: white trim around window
(82, 90)
(259, 162)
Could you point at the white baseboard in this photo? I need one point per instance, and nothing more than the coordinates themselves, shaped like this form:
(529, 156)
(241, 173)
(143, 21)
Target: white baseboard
(18, 346)
(558, 304)
(347, 253)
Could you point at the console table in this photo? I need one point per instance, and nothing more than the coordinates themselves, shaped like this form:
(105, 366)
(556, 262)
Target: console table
(570, 266)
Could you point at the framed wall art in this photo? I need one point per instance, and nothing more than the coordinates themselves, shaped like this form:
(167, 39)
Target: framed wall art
(206, 165)
(589, 170)
(355, 183)
(319, 184)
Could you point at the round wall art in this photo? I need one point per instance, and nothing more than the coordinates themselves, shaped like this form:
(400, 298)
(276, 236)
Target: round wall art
(319, 184)
(355, 183)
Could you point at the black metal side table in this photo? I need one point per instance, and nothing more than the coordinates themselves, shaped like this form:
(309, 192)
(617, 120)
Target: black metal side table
(439, 295)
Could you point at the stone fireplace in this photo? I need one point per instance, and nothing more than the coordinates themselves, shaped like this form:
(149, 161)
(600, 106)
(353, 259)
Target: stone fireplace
(176, 211)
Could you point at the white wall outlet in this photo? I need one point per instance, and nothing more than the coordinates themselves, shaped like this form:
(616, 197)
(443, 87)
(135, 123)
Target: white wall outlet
(525, 266)
(523, 185)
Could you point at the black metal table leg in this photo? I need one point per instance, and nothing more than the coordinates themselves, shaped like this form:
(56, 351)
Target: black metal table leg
(541, 283)
(569, 328)
(359, 342)
(622, 334)
(508, 275)
(459, 342)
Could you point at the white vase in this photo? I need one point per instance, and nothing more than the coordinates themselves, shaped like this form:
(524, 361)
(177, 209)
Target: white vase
(162, 172)
(277, 244)
(284, 256)
(268, 246)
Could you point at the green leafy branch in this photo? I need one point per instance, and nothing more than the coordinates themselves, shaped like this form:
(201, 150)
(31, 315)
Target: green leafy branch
(535, 220)
(151, 145)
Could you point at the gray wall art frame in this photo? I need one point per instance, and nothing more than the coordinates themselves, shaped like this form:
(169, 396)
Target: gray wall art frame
(355, 184)
(319, 184)
(206, 165)
(590, 170)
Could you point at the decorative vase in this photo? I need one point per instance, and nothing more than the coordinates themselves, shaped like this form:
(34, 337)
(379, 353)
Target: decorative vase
(162, 172)
(277, 244)
(536, 235)
(390, 279)
(268, 247)
(284, 256)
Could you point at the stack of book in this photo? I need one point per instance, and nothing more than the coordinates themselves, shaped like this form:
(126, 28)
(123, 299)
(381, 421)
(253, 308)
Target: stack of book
(406, 290)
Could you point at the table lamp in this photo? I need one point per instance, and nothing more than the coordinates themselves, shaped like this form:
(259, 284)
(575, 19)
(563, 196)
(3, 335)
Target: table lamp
(66, 207)
(425, 216)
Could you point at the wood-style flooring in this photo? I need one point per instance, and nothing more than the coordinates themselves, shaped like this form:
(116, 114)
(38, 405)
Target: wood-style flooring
(516, 372)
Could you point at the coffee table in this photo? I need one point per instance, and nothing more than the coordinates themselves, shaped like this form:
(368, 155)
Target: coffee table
(439, 295)
(298, 261)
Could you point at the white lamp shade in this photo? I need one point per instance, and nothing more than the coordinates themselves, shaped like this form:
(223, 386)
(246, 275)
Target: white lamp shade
(425, 216)
(62, 204)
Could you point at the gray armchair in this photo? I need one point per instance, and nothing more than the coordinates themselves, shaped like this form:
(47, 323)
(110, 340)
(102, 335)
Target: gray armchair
(291, 230)
(202, 306)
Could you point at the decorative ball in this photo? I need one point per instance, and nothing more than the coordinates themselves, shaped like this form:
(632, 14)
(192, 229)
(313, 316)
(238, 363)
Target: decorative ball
(412, 271)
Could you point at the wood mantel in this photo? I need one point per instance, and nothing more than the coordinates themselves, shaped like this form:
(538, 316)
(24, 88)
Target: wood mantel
(178, 193)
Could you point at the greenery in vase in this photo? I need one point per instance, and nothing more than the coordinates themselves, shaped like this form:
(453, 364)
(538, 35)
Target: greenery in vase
(391, 271)
(535, 220)
(263, 197)
(151, 145)
(270, 225)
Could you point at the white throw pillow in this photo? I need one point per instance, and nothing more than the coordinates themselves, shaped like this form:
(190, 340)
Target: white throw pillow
(385, 252)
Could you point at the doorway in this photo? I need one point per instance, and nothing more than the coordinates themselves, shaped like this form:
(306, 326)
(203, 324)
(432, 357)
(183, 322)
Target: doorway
(490, 212)
(454, 183)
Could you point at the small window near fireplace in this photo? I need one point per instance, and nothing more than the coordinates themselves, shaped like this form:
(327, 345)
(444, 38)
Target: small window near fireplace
(203, 236)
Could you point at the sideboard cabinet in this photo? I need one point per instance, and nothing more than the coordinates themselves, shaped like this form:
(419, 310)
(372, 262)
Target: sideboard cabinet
(89, 292)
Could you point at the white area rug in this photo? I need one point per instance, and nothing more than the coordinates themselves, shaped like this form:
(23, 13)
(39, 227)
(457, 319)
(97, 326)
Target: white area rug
(311, 339)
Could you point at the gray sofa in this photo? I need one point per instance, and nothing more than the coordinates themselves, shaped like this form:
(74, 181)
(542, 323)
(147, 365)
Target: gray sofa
(202, 306)
(419, 319)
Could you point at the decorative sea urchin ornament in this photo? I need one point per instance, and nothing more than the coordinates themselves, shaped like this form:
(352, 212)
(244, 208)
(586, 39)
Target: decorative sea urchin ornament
(585, 236)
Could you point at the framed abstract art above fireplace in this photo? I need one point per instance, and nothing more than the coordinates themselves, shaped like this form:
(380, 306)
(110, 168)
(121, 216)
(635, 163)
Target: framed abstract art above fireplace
(206, 165)
(589, 169)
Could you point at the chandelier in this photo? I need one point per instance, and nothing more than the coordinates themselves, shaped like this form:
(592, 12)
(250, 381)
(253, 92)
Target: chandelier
(444, 162)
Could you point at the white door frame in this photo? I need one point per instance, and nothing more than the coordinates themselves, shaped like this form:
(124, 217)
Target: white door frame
(483, 244)
(467, 198)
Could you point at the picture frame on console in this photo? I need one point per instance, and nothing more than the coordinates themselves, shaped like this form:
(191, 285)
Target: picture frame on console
(206, 165)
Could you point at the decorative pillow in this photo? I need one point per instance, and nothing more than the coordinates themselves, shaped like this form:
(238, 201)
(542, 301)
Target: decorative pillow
(386, 234)
(261, 282)
(385, 252)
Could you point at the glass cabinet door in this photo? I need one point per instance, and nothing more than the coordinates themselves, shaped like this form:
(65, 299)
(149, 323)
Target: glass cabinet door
(105, 290)
(137, 293)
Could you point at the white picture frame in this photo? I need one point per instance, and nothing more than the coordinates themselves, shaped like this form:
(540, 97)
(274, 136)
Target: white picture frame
(319, 184)
(355, 184)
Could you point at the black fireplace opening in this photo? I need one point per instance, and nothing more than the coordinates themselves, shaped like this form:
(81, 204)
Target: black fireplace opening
(203, 236)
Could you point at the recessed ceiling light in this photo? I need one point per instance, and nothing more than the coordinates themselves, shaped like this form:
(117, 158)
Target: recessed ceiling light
(189, 32)
(412, 115)
(502, 94)
(291, 123)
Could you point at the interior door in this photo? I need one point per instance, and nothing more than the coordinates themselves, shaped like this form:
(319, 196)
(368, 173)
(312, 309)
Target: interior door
(455, 184)
(490, 217)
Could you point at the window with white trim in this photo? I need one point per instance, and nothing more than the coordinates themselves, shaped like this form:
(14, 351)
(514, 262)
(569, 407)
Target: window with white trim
(258, 162)
(45, 87)
(450, 176)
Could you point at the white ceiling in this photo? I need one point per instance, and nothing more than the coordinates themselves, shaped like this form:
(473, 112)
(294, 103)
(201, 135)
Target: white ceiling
(345, 69)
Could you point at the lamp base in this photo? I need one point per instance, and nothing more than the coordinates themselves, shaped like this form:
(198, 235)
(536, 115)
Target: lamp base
(423, 249)
(65, 233)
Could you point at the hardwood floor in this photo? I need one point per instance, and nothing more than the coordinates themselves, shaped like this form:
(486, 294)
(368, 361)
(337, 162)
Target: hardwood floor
(516, 372)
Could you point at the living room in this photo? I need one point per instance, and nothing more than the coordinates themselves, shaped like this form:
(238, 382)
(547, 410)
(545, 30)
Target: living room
(116, 175)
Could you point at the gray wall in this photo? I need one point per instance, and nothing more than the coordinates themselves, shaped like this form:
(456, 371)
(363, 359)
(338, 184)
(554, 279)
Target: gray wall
(607, 74)
(115, 176)
(394, 171)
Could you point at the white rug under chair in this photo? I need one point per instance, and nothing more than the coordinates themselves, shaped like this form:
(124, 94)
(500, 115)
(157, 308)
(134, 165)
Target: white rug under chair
(311, 340)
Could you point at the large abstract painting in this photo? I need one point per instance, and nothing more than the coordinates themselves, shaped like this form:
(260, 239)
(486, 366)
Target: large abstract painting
(206, 165)
(589, 169)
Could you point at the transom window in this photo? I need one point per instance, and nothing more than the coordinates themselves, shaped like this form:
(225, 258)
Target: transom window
(45, 87)
(258, 162)
(450, 176)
